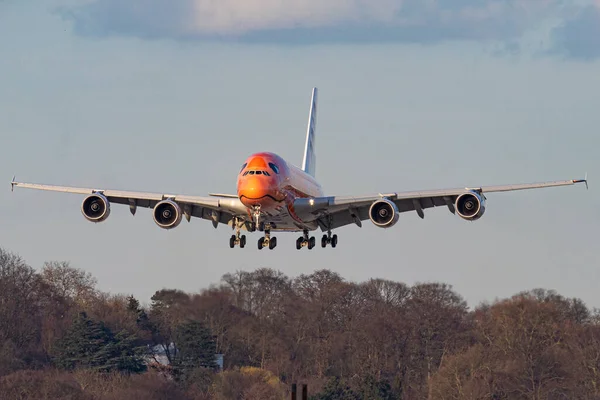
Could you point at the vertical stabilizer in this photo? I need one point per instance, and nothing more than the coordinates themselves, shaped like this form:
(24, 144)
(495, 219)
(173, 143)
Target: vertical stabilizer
(309, 161)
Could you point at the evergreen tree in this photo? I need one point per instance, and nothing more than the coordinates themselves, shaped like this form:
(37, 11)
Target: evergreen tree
(335, 389)
(82, 346)
(124, 355)
(90, 344)
(372, 389)
(195, 348)
(133, 304)
(142, 320)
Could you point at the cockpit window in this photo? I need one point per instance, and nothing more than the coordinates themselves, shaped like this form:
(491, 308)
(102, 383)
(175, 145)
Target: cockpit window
(243, 166)
(253, 172)
(274, 167)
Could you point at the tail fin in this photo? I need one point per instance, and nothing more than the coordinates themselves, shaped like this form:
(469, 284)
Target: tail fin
(309, 161)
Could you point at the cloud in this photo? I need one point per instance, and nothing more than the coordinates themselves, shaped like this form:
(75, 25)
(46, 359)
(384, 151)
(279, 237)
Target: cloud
(236, 18)
(579, 37)
(318, 21)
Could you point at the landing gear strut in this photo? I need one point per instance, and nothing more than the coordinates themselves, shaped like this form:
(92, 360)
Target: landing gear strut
(256, 215)
(267, 240)
(329, 239)
(305, 241)
(237, 239)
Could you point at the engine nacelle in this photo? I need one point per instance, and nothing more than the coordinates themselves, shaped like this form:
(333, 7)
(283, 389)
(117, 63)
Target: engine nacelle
(470, 206)
(384, 213)
(95, 208)
(167, 214)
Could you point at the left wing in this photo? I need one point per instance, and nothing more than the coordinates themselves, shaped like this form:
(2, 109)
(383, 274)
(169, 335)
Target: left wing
(335, 211)
(216, 209)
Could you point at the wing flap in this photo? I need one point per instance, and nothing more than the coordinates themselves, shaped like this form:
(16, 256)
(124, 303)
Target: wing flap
(508, 188)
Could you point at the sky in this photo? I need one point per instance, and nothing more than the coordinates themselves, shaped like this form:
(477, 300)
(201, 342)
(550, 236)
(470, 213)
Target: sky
(173, 96)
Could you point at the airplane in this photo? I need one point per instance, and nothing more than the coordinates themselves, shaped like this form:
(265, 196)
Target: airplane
(274, 195)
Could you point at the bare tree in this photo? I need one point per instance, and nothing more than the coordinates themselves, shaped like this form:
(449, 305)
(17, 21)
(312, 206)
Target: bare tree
(70, 283)
(20, 312)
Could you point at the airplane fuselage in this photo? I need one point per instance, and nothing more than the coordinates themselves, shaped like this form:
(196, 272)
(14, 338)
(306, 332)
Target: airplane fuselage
(268, 183)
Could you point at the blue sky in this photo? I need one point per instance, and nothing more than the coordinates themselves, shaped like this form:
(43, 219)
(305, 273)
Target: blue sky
(413, 95)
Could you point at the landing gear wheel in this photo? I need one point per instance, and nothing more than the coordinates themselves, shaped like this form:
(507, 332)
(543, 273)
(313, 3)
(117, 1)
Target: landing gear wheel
(329, 239)
(307, 241)
(267, 240)
(242, 241)
(232, 241)
(272, 243)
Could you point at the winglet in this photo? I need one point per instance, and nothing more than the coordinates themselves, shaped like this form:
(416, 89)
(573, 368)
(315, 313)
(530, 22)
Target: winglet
(584, 180)
(13, 183)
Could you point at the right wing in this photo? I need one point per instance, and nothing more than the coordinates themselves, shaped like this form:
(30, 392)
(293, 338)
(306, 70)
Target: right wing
(216, 209)
(332, 212)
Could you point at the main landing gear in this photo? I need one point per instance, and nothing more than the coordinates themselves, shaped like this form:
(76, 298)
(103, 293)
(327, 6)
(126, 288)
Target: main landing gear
(329, 239)
(270, 241)
(305, 241)
(267, 240)
(237, 239)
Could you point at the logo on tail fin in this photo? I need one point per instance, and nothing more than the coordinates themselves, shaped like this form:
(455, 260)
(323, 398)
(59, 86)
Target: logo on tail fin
(309, 161)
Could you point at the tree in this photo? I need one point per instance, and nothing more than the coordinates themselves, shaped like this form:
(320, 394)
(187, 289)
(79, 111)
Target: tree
(47, 384)
(523, 350)
(373, 389)
(21, 316)
(373, 340)
(336, 389)
(169, 308)
(68, 282)
(145, 328)
(90, 344)
(195, 348)
(248, 383)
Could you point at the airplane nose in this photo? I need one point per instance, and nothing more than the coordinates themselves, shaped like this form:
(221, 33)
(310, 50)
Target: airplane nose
(257, 189)
(254, 188)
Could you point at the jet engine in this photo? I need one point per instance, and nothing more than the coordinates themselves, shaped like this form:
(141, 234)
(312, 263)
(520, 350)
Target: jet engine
(167, 214)
(384, 213)
(95, 208)
(470, 206)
